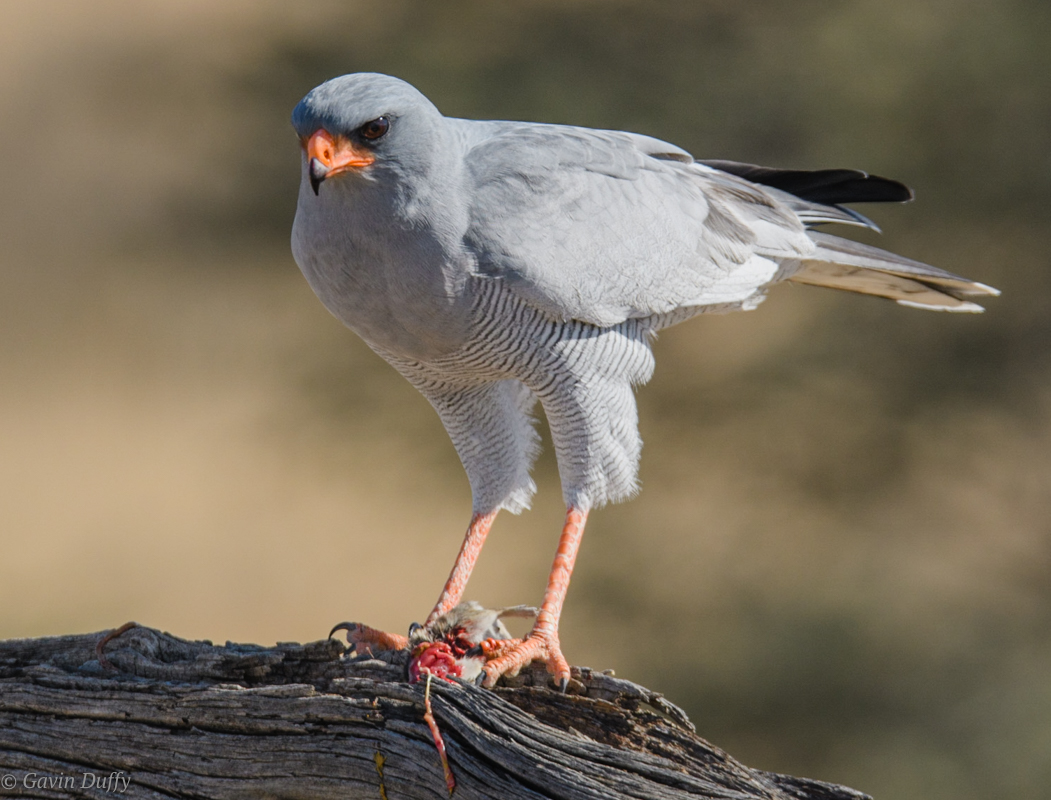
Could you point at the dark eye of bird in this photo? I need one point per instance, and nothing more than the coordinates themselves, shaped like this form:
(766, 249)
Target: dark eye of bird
(376, 128)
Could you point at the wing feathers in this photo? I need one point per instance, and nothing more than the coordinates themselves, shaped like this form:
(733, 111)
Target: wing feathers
(816, 195)
(825, 186)
(602, 226)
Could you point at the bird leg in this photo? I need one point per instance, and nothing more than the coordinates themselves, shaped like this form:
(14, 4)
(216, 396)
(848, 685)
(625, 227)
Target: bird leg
(542, 642)
(465, 559)
(363, 639)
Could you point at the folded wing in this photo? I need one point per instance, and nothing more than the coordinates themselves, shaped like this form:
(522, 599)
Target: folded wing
(602, 226)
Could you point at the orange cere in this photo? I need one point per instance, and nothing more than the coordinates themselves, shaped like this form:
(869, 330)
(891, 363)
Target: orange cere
(337, 153)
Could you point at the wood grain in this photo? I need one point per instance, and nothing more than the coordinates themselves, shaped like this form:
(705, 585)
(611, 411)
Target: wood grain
(183, 719)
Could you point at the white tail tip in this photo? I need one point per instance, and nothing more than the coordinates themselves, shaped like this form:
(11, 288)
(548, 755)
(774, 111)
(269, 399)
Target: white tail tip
(964, 307)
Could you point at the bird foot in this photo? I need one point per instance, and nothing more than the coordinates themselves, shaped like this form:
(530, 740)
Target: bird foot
(364, 640)
(458, 643)
(508, 656)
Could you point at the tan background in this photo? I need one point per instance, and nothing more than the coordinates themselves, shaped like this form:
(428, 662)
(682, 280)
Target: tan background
(840, 563)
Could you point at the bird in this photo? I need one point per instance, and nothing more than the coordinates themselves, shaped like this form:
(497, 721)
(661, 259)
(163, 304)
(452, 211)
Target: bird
(498, 264)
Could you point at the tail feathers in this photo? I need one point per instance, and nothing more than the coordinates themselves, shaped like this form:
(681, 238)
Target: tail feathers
(855, 267)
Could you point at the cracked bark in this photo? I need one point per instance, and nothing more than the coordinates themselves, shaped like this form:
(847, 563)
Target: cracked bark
(189, 719)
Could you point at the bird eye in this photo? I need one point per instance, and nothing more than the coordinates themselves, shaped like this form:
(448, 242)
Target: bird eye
(376, 128)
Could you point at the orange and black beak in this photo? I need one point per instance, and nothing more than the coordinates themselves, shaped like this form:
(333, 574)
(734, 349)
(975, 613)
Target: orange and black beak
(330, 155)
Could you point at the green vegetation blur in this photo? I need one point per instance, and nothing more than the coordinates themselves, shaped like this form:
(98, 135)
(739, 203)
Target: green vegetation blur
(840, 562)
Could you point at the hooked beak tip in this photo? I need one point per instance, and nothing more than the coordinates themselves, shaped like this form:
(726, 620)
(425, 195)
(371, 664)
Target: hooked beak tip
(318, 171)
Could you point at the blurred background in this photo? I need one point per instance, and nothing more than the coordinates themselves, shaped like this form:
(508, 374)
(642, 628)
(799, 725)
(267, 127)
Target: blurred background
(840, 563)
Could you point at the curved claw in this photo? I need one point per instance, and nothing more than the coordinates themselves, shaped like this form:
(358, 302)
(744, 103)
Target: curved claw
(349, 627)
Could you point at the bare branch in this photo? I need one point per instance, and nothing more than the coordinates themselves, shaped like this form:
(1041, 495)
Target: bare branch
(183, 719)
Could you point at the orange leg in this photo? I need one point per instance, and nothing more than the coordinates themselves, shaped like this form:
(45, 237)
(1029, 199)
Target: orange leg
(364, 639)
(468, 555)
(542, 642)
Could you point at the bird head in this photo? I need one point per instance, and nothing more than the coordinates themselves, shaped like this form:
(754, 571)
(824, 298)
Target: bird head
(356, 124)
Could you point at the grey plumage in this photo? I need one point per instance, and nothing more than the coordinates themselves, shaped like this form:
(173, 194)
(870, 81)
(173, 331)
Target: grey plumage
(495, 264)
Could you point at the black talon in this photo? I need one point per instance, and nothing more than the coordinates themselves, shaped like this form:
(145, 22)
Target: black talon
(480, 679)
(413, 628)
(349, 627)
(563, 685)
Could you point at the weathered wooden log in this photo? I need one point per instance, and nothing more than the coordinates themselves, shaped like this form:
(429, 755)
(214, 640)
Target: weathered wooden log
(179, 719)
